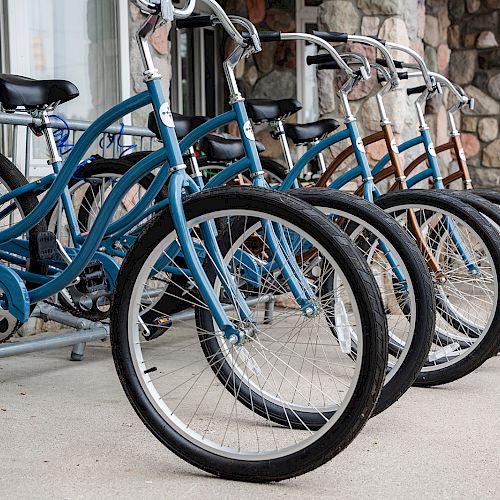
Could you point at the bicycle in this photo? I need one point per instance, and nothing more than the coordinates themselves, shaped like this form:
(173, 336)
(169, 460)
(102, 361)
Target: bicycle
(184, 240)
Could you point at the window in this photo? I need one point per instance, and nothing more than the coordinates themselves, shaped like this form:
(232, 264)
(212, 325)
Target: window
(79, 40)
(197, 86)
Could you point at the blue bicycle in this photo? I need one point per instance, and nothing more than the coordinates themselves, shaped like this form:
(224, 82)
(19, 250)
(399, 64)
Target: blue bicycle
(219, 375)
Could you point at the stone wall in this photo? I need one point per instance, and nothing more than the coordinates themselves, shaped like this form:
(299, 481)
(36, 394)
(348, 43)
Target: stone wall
(397, 20)
(473, 38)
(458, 38)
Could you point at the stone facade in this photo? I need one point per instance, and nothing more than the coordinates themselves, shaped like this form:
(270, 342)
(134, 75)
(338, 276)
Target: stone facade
(458, 38)
(473, 37)
(397, 20)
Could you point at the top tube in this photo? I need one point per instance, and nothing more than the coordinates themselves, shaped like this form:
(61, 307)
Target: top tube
(89, 136)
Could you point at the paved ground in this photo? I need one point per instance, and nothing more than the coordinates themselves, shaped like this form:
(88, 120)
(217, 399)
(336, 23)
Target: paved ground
(67, 431)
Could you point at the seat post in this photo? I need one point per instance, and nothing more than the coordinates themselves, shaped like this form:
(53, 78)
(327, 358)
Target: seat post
(321, 158)
(48, 133)
(280, 133)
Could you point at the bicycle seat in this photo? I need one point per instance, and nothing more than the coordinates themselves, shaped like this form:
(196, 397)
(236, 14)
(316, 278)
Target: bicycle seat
(218, 148)
(183, 124)
(265, 110)
(309, 132)
(20, 91)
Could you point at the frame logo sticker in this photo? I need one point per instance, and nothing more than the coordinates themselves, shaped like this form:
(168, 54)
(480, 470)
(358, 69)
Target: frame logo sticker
(394, 146)
(248, 130)
(166, 115)
(461, 153)
(360, 145)
(431, 149)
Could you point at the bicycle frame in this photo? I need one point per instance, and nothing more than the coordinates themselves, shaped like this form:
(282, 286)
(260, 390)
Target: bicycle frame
(173, 169)
(381, 171)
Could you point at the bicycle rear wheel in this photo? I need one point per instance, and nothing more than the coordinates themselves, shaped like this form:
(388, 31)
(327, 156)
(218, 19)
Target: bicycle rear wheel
(294, 366)
(12, 212)
(467, 250)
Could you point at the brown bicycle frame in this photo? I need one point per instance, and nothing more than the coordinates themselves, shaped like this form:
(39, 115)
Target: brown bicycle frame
(395, 169)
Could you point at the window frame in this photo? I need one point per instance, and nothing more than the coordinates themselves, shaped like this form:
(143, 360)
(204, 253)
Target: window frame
(198, 63)
(304, 15)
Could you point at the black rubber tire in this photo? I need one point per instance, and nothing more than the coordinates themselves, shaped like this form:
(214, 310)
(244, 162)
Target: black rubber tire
(349, 423)
(480, 203)
(421, 281)
(488, 234)
(13, 178)
(488, 194)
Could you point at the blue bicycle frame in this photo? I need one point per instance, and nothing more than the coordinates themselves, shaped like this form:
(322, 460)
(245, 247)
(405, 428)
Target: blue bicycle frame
(173, 167)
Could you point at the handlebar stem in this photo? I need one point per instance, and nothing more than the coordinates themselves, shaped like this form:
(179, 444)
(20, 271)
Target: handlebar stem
(150, 72)
(229, 65)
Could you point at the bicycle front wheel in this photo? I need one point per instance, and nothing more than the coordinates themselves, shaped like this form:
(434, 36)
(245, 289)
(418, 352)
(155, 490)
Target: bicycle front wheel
(290, 365)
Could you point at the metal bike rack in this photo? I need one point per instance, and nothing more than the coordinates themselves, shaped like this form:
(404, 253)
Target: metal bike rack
(86, 331)
(9, 139)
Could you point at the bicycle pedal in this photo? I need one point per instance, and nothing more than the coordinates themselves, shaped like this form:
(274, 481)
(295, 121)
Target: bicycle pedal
(93, 278)
(43, 245)
(162, 323)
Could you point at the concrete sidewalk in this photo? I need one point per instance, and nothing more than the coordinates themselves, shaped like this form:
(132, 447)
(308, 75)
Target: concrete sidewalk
(67, 431)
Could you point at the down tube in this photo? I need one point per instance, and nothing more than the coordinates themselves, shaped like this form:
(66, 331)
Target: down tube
(309, 155)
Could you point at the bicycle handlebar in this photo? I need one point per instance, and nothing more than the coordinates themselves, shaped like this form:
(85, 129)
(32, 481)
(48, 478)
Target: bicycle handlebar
(366, 40)
(421, 64)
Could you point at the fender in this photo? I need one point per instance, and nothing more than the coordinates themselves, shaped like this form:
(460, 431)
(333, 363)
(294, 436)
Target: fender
(18, 299)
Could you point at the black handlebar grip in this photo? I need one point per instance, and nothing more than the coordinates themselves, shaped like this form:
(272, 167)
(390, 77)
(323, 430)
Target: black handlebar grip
(383, 62)
(416, 90)
(265, 36)
(319, 59)
(403, 75)
(194, 22)
(331, 36)
(328, 65)
(270, 36)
